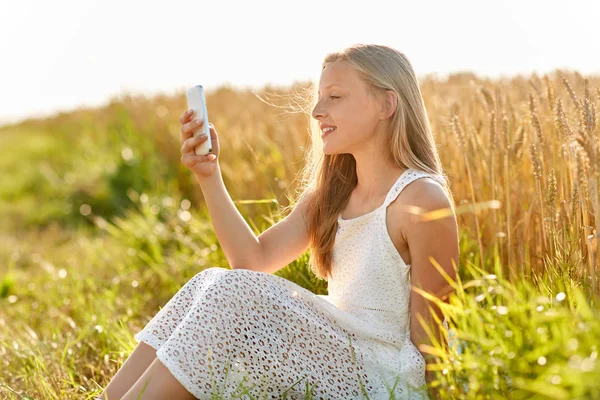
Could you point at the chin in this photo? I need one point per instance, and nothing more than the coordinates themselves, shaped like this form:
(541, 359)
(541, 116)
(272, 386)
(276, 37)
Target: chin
(330, 152)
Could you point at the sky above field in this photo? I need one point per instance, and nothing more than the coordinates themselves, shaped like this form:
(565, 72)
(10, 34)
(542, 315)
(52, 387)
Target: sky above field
(63, 54)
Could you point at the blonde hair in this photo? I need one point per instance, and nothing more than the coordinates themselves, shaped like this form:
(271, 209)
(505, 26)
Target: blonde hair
(327, 180)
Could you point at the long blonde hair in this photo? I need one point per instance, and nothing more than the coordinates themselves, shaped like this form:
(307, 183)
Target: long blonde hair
(327, 180)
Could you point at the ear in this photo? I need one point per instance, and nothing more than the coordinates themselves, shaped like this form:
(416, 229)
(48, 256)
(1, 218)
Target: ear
(389, 104)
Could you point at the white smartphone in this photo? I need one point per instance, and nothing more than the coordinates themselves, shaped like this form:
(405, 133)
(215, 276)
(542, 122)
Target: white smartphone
(197, 102)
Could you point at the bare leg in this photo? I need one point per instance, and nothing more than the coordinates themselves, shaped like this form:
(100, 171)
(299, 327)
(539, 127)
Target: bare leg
(158, 383)
(135, 365)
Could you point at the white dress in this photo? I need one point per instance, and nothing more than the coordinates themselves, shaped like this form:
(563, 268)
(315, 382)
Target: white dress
(228, 328)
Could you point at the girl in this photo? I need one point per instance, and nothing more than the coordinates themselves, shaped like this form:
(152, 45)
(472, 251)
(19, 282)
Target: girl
(374, 162)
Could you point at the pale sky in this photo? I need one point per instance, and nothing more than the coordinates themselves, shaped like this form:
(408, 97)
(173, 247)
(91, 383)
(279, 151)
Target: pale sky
(62, 54)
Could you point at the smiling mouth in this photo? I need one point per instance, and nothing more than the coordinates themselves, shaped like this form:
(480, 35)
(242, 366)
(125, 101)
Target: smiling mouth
(328, 132)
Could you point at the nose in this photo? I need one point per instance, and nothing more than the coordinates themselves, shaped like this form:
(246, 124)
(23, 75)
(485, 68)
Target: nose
(317, 111)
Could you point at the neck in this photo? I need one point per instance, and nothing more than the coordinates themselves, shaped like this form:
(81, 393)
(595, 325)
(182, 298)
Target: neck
(375, 179)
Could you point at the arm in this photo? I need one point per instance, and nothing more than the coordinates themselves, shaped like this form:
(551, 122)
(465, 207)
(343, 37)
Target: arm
(271, 250)
(285, 241)
(437, 239)
(238, 241)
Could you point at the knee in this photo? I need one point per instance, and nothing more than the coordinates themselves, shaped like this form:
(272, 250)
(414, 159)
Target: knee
(226, 283)
(241, 269)
(210, 270)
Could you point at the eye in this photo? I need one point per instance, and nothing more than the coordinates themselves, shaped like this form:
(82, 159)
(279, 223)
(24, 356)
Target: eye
(334, 97)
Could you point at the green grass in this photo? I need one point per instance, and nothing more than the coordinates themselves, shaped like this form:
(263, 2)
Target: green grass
(101, 225)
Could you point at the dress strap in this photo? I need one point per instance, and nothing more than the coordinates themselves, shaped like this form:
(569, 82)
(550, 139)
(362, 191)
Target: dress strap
(407, 177)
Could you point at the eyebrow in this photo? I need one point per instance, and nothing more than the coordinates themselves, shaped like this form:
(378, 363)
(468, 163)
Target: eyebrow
(333, 84)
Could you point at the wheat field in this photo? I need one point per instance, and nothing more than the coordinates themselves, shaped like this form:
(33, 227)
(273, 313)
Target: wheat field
(100, 225)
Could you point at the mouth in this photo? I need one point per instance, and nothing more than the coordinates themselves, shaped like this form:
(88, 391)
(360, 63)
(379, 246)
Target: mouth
(328, 132)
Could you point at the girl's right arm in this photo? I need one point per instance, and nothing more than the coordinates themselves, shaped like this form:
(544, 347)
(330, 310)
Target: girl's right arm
(273, 249)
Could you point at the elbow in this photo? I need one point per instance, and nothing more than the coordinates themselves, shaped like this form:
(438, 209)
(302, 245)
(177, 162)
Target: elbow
(250, 263)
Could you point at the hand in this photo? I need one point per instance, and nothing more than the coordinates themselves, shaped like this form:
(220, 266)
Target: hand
(202, 165)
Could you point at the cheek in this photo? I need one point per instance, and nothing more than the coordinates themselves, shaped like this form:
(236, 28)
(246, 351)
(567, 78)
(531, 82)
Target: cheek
(355, 121)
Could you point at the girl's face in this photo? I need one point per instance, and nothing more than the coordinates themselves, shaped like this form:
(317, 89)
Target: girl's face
(345, 104)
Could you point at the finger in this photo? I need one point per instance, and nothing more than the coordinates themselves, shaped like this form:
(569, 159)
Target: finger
(189, 160)
(188, 129)
(186, 116)
(212, 131)
(192, 142)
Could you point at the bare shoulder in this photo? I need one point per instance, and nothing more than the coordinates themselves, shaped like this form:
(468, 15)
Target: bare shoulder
(425, 193)
(419, 196)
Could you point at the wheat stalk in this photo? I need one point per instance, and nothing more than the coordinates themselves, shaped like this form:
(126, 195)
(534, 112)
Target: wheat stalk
(536, 122)
(549, 92)
(551, 192)
(458, 133)
(485, 98)
(574, 207)
(535, 160)
(517, 146)
(550, 198)
(572, 94)
(507, 179)
(562, 122)
(537, 174)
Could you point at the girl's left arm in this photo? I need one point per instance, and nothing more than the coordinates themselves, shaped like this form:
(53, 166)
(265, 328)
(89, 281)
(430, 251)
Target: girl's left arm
(438, 239)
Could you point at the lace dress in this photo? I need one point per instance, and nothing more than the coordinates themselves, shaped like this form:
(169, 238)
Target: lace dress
(226, 331)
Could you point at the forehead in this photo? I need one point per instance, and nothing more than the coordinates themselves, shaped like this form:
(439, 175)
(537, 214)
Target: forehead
(331, 86)
(337, 74)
